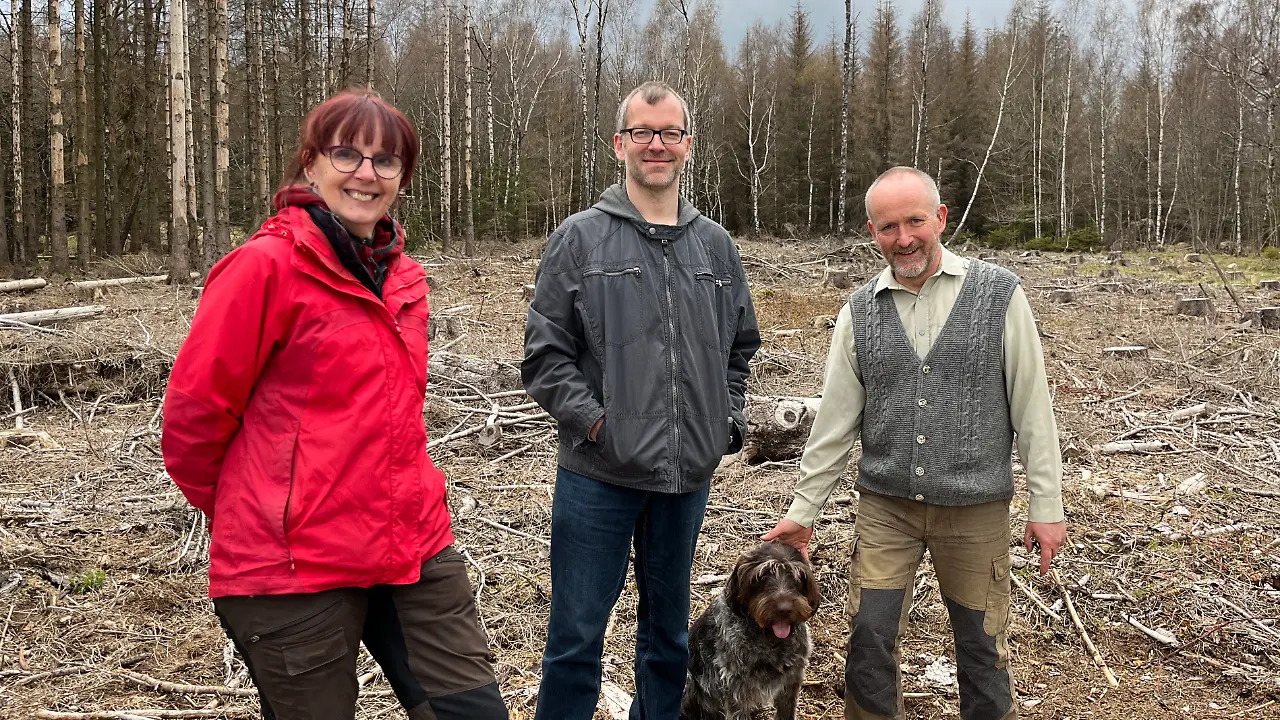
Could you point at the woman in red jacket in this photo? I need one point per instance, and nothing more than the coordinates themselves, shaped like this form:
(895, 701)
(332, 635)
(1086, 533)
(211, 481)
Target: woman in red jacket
(293, 419)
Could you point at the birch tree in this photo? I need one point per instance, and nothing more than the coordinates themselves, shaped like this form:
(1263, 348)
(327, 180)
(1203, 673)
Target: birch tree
(57, 166)
(846, 83)
(19, 226)
(582, 20)
(446, 186)
(755, 106)
(178, 267)
(468, 204)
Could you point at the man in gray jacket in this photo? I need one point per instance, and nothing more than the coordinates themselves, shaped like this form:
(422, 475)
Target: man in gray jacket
(638, 342)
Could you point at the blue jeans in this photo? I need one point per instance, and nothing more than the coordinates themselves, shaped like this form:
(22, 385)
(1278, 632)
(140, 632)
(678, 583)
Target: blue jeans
(593, 525)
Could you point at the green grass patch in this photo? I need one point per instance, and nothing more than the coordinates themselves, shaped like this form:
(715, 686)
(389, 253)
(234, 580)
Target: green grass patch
(88, 581)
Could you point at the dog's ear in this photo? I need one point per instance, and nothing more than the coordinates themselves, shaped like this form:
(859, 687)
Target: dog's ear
(737, 587)
(812, 593)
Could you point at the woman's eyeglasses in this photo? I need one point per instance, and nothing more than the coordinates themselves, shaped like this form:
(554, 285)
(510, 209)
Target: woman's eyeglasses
(387, 166)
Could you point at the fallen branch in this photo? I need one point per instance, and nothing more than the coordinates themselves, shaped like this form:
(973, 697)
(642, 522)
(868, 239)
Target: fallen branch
(151, 683)
(1035, 598)
(148, 714)
(88, 285)
(513, 531)
(478, 428)
(60, 672)
(1084, 634)
(1130, 447)
(40, 317)
(1164, 637)
(1211, 532)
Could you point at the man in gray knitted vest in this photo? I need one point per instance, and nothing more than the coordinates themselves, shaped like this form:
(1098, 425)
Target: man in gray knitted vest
(936, 366)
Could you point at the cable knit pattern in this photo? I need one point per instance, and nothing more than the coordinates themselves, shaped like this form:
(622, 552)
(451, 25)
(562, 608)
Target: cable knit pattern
(937, 429)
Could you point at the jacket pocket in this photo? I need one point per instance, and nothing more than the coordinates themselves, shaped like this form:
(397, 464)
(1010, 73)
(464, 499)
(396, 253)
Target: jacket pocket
(716, 314)
(617, 300)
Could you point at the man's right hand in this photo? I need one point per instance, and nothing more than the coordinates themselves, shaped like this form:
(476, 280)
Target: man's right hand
(791, 533)
(595, 429)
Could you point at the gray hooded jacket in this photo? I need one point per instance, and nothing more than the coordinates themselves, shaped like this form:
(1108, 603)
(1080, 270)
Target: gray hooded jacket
(650, 327)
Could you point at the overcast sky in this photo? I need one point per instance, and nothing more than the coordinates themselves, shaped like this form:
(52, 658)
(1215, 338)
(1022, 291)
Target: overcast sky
(736, 16)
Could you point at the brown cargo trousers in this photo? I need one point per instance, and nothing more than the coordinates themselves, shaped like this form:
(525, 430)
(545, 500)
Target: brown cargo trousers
(301, 650)
(969, 547)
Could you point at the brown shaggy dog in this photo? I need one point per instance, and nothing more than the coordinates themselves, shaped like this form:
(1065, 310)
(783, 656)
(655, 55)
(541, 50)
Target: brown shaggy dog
(749, 649)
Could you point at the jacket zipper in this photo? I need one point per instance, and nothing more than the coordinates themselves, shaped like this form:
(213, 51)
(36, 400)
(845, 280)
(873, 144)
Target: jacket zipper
(611, 273)
(710, 276)
(675, 385)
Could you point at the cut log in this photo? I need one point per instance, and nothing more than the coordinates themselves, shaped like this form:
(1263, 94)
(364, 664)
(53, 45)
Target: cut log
(832, 277)
(1062, 296)
(91, 285)
(1268, 317)
(1129, 447)
(483, 374)
(1269, 284)
(1203, 409)
(1126, 351)
(491, 434)
(45, 317)
(1236, 275)
(27, 284)
(1195, 307)
(1192, 258)
(777, 427)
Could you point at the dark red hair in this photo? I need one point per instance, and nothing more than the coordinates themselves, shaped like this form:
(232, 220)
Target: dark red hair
(352, 114)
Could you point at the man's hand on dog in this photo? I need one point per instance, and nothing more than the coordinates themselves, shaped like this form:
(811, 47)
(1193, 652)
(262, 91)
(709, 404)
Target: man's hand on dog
(791, 533)
(1049, 537)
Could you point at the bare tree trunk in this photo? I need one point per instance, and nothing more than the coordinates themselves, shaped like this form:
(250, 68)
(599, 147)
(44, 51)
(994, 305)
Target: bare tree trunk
(1173, 197)
(808, 162)
(446, 189)
(101, 243)
(19, 192)
(468, 204)
(1235, 175)
(344, 65)
(1063, 222)
(221, 136)
(57, 164)
(1038, 175)
(31, 243)
(1270, 192)
(84, 241)
(582, 21)
(259, 147)
(193, 243)
(110, 210)
(922, 100)
(178, 133)
(5, 265)
(154, 83)
(602, 12)
(846, 77)
(201, 121)
(1103, 112)
(372, 45)
(1004, 94)
(757, 137)
(304, 56)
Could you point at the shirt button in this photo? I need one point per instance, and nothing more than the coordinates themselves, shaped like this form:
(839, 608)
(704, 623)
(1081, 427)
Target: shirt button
(920, 439)
(920, 498)
(925, 369)
(920, 333)
(653, 230)
(919, 472)
(922, 402)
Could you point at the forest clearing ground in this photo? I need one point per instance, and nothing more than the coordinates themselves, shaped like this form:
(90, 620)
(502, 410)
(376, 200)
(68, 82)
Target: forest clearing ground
(102, 563)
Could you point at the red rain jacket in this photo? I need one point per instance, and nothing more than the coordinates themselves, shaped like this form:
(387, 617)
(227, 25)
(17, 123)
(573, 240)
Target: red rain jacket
(293, 419)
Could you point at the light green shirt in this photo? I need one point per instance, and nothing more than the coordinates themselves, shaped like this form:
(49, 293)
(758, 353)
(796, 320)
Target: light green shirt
(923, 315)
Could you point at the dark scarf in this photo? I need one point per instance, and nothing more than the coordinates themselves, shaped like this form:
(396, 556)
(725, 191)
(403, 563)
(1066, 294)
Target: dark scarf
(365, 258)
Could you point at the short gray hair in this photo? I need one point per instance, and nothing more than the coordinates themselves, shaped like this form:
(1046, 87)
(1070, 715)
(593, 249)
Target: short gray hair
(651, 92)
(930, 186)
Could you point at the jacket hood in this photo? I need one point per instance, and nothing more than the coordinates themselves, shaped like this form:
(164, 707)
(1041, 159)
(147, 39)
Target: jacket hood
(614, 201)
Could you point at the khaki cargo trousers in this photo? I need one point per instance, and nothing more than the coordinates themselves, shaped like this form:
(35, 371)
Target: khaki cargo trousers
(969, 547)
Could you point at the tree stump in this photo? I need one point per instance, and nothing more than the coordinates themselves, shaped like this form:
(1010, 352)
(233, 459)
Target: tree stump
(836, 278)
(1075, 260)
(777, 427)
(1234, 275)
(1115, 255)
(1154, 261)
(1195, 307)
(1109, 272)
(1268, 318)
(1269, 284)
(1062, 296)
(526, 293)
(1192, 258)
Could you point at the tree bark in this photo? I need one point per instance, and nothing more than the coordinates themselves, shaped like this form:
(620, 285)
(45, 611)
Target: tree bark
(84, 233)
(602, 13)
(446, 110)
(178, 266)
(372, 46)
(57, 164)
(582, 19)
(846, 79)
(19, 194)
(259, 145)
(201, 82)
(468, 204)
(31, 242)
(221, 133)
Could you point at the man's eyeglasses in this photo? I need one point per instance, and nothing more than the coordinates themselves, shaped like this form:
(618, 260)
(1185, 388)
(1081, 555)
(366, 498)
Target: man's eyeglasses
(387, 166)
(644, 136)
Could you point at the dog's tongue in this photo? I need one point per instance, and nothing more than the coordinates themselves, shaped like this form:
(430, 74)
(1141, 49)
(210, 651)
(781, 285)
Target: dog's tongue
(782, 630)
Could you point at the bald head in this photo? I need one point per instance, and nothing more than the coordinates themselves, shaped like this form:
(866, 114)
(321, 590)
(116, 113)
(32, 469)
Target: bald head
(903, 174)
